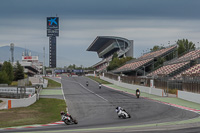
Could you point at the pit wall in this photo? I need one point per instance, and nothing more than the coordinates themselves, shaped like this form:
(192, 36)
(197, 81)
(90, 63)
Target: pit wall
(149, 90)
(14, 103)
(189, 96)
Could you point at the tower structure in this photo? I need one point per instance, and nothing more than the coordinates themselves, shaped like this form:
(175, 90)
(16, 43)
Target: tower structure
(52, 33)
(12, 52)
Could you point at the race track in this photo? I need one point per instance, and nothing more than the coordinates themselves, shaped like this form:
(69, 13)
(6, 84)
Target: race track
(95, 108)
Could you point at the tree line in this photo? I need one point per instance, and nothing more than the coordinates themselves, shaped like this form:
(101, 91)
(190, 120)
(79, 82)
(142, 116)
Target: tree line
(117, 62)
(8, 73)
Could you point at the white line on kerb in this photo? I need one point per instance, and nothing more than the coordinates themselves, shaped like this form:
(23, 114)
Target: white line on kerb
(92, 92)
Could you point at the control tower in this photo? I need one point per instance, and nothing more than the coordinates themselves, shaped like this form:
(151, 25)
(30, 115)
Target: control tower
(52, 33)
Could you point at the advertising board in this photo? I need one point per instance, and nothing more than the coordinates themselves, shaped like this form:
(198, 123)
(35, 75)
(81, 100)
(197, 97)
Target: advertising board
(52, 23)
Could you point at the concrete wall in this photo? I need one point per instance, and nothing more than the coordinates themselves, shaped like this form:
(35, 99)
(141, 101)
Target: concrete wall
(154, 91)
(10, 90)
(189, 96)
(45, 83)
(23, 102)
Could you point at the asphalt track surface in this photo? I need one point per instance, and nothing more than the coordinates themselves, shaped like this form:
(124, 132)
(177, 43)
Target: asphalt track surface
(95, 108)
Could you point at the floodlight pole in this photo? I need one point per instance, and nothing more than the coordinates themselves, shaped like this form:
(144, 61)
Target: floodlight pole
(44, 61)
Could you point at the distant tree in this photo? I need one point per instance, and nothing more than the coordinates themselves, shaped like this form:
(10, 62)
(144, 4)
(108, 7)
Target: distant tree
(8, 68)
(115, 55)
(185, 46)
(155, 48)
(19, 72)
(0, 67)
(159, 62)
(181, 48)
(4, 79)
(72, 66)
(116, 62)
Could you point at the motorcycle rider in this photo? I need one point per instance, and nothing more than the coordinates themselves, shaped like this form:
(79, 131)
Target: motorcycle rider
(66, 114)
(118, 109)
(137, 90)
(87, 83)
(122, 113)
(99, 85)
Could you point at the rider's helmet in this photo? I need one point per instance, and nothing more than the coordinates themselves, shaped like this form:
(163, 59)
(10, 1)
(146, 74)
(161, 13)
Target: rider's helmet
(62, 112)
(117, 108)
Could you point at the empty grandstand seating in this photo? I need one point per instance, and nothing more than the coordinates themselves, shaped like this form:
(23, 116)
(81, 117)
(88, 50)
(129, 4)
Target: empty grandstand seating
(189, 72)
(133, 65)
(175, 65)
(187, 57)
(158, 52)
(102, 65)
(143, 60)
(168, 69)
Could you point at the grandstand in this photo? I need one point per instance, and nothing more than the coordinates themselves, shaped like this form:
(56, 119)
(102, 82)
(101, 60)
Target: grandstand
(145, 63)
(106, 46)
(176, 68)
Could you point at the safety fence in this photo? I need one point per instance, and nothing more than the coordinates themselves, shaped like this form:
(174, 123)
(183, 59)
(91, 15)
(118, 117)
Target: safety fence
(187, 83)
(16, 92)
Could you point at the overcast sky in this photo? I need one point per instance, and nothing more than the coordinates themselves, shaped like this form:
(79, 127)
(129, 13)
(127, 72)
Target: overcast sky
(147, 22)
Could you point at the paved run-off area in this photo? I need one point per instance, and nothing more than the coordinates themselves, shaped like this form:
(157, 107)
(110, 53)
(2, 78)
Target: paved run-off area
(51, 93)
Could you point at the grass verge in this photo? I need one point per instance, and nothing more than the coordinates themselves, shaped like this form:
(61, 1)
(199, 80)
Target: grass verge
(97, 79)
(53, 84)
(43, 111)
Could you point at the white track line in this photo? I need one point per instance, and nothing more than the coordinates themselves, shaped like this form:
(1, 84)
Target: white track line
(64, 96)
(93, 92)
(88, 90)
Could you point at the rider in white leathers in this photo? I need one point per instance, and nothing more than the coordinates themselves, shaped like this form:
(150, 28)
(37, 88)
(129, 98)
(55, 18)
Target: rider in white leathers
(118, 109)
(122, 113)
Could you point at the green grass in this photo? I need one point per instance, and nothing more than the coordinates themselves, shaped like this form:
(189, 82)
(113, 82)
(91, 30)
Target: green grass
(1, 101)
(42, 112)
(53, 84)
(14, 83)
(97, 79)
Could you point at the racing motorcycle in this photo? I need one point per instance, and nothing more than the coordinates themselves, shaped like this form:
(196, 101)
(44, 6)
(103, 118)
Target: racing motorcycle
(123, 114)
(87, 83)
(138, 94)
(68, 120)
(99, 86)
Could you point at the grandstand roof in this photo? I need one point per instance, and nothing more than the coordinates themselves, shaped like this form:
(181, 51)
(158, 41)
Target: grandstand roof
(100, 41)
